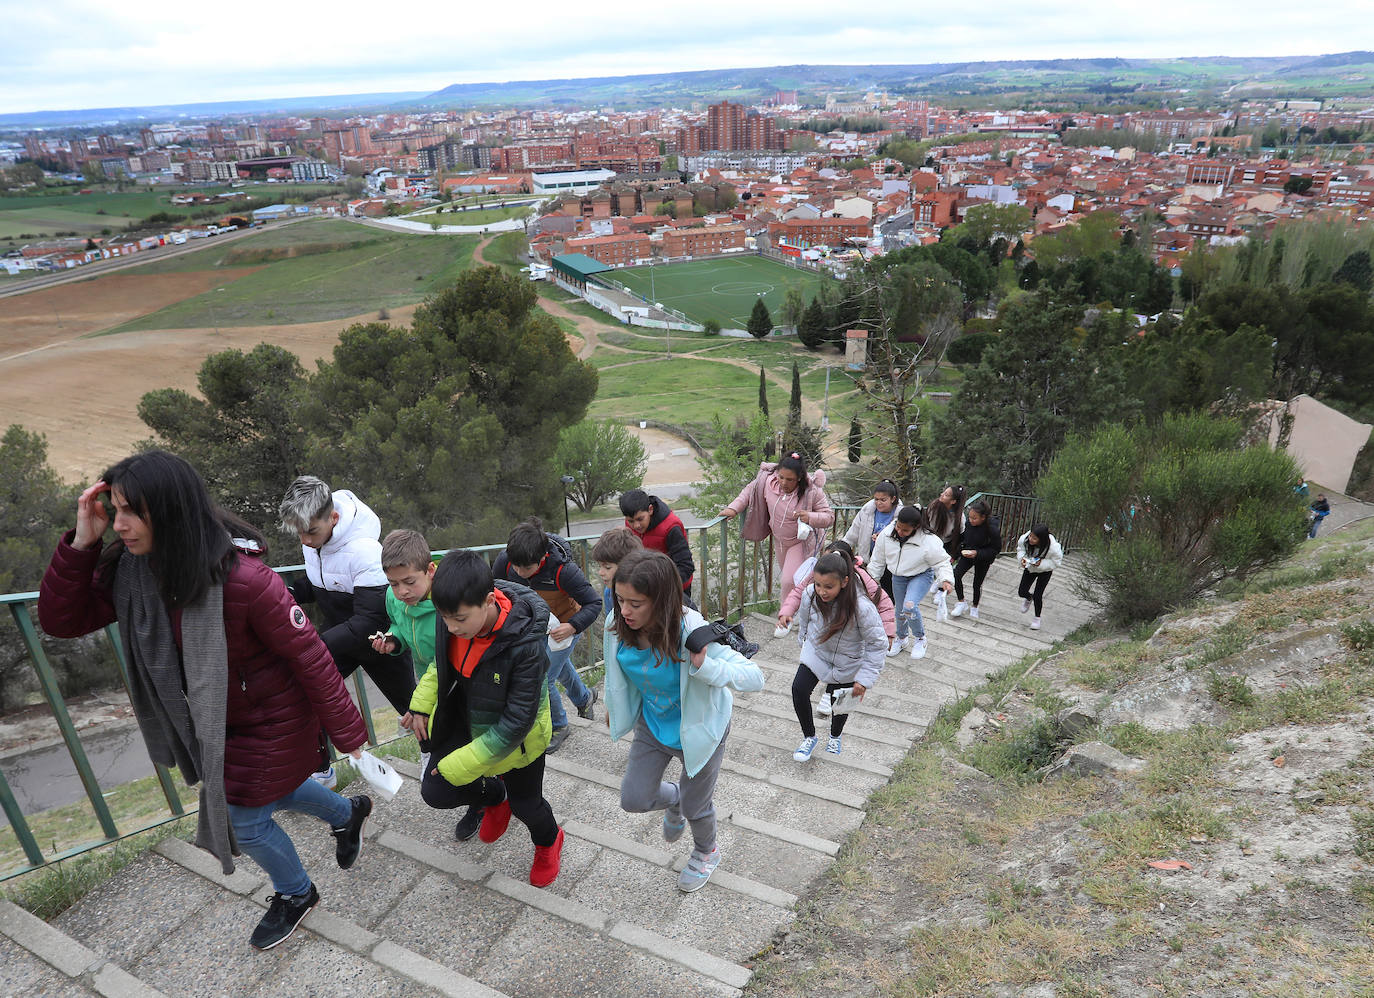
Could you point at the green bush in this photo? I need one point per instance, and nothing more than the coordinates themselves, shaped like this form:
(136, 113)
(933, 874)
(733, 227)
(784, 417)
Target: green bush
(711, 327)
(1187, 505)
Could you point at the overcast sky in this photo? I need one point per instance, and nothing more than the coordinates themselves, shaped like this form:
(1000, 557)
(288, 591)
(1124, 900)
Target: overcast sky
(72, 54)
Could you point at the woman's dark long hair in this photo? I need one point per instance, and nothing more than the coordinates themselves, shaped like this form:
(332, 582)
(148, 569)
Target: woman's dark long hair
(838, 613)
(1042, 535)
(794, 463)
(192, 536)
(947, 521)
(652, 574)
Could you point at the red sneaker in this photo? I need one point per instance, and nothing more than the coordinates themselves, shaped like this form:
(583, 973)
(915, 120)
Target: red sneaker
(544, 871)
(494, 821)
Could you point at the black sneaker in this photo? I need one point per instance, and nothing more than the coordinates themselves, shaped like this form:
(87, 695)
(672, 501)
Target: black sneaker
(350, 836)
(284, 913)
(588, 713)
(560, 735)
(469, 823)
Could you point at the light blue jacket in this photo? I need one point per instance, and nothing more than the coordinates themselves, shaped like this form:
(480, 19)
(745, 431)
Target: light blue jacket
(706, 697)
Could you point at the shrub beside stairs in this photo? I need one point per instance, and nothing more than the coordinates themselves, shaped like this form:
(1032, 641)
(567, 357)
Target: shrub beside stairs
(422, 914)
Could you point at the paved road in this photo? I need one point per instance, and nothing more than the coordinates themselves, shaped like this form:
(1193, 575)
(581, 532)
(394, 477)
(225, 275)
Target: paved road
(101, 267)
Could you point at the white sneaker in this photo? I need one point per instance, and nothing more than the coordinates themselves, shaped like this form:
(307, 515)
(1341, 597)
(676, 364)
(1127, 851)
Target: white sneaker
(959, 609)
(973, 612)
(1035, 623)
(823, 704)
(895, 648)
(326, 778)
(1025, 605)
(918, 648)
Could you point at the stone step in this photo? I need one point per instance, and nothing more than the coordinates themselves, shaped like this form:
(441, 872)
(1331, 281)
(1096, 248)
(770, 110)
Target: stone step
(38, 959)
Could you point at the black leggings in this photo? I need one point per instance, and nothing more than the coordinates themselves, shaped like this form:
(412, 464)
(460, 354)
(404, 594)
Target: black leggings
(1041, 580)
(980, 571)
(524, 788)
(803, 685)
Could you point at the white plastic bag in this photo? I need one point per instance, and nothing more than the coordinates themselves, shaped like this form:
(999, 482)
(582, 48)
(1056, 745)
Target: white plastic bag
(557, 645)
(379, 775)
(842, 701)
(941, 610)
(803, 530)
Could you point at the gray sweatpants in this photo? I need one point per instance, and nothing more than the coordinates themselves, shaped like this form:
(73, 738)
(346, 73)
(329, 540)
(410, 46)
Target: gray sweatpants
(643, 788)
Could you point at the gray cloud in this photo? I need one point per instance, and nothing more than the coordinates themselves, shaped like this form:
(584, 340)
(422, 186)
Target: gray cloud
(80, 53)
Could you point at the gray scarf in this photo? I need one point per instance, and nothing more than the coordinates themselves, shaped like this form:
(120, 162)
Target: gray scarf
(179, 697)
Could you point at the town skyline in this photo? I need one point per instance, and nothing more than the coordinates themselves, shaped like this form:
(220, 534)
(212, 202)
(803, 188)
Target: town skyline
(75, 54)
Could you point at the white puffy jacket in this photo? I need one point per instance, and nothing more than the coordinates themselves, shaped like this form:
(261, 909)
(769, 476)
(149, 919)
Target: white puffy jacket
(919, 553)
(352, 557)
(1048, 563)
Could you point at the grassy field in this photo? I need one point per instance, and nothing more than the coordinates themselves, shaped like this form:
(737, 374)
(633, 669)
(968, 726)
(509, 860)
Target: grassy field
(678, 391)
(350, 270)
(88, 214)
(474, 216)
(724, 289)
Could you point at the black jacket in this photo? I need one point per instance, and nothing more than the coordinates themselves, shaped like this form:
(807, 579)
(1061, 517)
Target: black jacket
(349, 618)
(985, 539)
(502, 702)
(559, 583)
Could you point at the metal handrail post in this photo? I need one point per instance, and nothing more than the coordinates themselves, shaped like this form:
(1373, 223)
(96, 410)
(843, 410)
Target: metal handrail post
(48, 680)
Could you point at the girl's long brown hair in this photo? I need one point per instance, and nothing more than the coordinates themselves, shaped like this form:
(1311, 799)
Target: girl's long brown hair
(653, 574)
(841, 610)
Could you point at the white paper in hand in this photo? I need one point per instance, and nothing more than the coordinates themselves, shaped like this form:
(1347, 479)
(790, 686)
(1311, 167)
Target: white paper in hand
(842, 701)
(379, 775)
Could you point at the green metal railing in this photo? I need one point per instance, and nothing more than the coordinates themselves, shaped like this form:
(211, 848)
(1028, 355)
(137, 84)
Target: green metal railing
(1017, 514)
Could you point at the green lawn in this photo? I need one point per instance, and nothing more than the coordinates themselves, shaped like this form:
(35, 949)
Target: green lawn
(677, 391)
(474, 216)
(384, 270)
(723, 289)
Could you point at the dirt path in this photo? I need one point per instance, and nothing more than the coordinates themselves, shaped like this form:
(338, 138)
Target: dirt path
(83, 393)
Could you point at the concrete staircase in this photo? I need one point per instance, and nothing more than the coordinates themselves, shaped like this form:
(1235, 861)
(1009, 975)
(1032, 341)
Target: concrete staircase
(422, 914)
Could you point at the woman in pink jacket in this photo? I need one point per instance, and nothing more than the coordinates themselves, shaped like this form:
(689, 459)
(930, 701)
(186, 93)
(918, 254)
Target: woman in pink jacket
(779, 498)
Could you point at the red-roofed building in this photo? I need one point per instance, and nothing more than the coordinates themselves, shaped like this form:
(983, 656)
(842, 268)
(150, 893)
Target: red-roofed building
(614, 251)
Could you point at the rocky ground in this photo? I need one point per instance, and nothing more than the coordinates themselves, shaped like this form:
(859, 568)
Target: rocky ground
(1183, 810)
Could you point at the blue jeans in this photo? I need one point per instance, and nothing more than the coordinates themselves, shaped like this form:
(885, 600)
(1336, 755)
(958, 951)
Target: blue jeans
(914, 588)
(561, 671)
(263, 839)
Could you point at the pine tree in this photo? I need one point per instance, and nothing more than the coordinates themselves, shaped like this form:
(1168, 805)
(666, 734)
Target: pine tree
(760, 322)
(812, 330)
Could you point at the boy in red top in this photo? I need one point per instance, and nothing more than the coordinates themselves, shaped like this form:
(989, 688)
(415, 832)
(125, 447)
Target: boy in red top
(660, 529)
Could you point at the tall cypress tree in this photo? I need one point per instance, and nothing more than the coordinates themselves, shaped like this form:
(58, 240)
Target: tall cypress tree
(855, 441)
(763, 393)
(794, 403)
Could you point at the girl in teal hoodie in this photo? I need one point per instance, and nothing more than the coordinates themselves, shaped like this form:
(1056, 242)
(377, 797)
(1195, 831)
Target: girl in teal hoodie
(671, 687)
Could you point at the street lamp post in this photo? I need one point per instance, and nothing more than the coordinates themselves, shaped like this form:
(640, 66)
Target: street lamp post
(667, 327)
(567, 522)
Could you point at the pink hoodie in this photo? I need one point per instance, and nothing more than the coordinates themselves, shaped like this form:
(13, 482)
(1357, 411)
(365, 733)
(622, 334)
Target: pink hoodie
(881, 599)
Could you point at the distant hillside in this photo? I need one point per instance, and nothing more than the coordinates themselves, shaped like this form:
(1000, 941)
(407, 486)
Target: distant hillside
(1032, 82)
(1106, 77)
(205, 109)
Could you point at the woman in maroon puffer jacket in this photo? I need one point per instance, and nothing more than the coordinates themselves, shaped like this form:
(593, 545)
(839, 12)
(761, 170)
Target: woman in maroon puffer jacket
(229, 679)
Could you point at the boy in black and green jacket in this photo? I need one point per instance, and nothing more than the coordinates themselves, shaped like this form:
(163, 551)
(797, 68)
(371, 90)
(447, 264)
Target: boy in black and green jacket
(484, 706)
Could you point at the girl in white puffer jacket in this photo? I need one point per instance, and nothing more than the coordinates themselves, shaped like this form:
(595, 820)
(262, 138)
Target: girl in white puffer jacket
(918, 562)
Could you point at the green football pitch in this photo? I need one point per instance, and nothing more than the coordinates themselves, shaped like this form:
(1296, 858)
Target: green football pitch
(723, 289)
